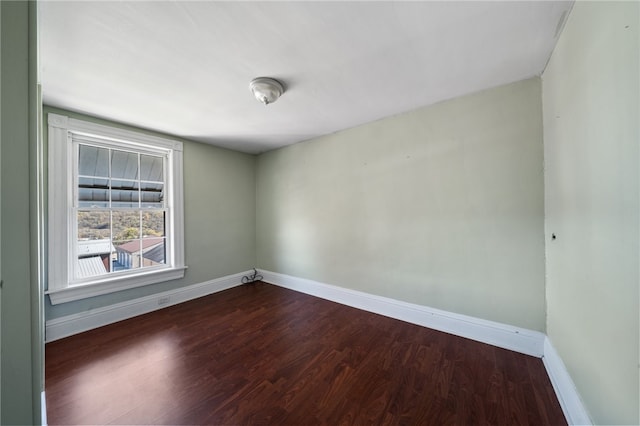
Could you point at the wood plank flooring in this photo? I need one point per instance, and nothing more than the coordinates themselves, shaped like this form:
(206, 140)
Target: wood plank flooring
(260, 354)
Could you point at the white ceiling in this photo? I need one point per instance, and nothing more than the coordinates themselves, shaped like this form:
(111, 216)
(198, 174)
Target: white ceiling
(184, 68)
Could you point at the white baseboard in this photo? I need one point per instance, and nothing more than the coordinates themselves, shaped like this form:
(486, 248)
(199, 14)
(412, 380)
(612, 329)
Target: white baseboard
(504, 336)
(43, 409)
(76, 323)
(568, 396)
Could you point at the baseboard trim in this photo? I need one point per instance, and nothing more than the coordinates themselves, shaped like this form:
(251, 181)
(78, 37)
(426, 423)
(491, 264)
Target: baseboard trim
(69, 325)
(517, 339)
(568, 396)
(43, 409)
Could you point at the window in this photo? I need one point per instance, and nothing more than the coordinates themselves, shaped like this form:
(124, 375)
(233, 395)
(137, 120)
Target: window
(115, 209)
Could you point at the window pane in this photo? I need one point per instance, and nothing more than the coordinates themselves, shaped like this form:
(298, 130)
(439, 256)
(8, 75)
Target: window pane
(93, 245)
(153, 251)
(152, 224)
(124, 165)
(93, 225)
(152, 194)
(127, 255)
(151, 168)
(93, 192)
(126, 225)
(124, 193)
(93, 183)
(92, 266)
(93, 161)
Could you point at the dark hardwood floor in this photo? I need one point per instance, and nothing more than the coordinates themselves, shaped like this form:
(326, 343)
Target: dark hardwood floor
(260, 354)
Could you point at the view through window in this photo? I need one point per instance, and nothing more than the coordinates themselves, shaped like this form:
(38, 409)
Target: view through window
(120, 210)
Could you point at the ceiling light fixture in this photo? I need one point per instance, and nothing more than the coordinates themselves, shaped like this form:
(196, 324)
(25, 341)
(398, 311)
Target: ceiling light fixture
(267, 90)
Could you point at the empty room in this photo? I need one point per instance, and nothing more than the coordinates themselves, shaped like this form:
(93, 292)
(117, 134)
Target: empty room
(320, 213)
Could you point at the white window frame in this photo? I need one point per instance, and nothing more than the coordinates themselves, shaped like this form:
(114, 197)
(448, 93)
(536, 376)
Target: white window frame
(62, 244)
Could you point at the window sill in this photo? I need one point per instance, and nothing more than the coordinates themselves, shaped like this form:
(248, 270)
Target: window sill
(79, 292)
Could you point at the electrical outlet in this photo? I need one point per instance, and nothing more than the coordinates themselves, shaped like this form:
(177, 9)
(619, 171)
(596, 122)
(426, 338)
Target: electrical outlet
(164, 300)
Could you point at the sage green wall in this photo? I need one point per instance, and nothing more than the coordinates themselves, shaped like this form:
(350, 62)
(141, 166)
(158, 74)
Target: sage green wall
(20, 369)
(219, 220)
(591, 134)
(442, 207)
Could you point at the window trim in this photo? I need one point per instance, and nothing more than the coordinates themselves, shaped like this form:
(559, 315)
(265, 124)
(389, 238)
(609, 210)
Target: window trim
(60, 203)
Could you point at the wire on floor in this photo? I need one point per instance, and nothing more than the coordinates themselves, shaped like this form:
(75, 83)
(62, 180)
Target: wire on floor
(252, 278)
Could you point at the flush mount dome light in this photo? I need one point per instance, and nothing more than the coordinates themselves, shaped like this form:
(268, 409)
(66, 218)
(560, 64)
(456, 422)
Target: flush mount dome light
(267, 90)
